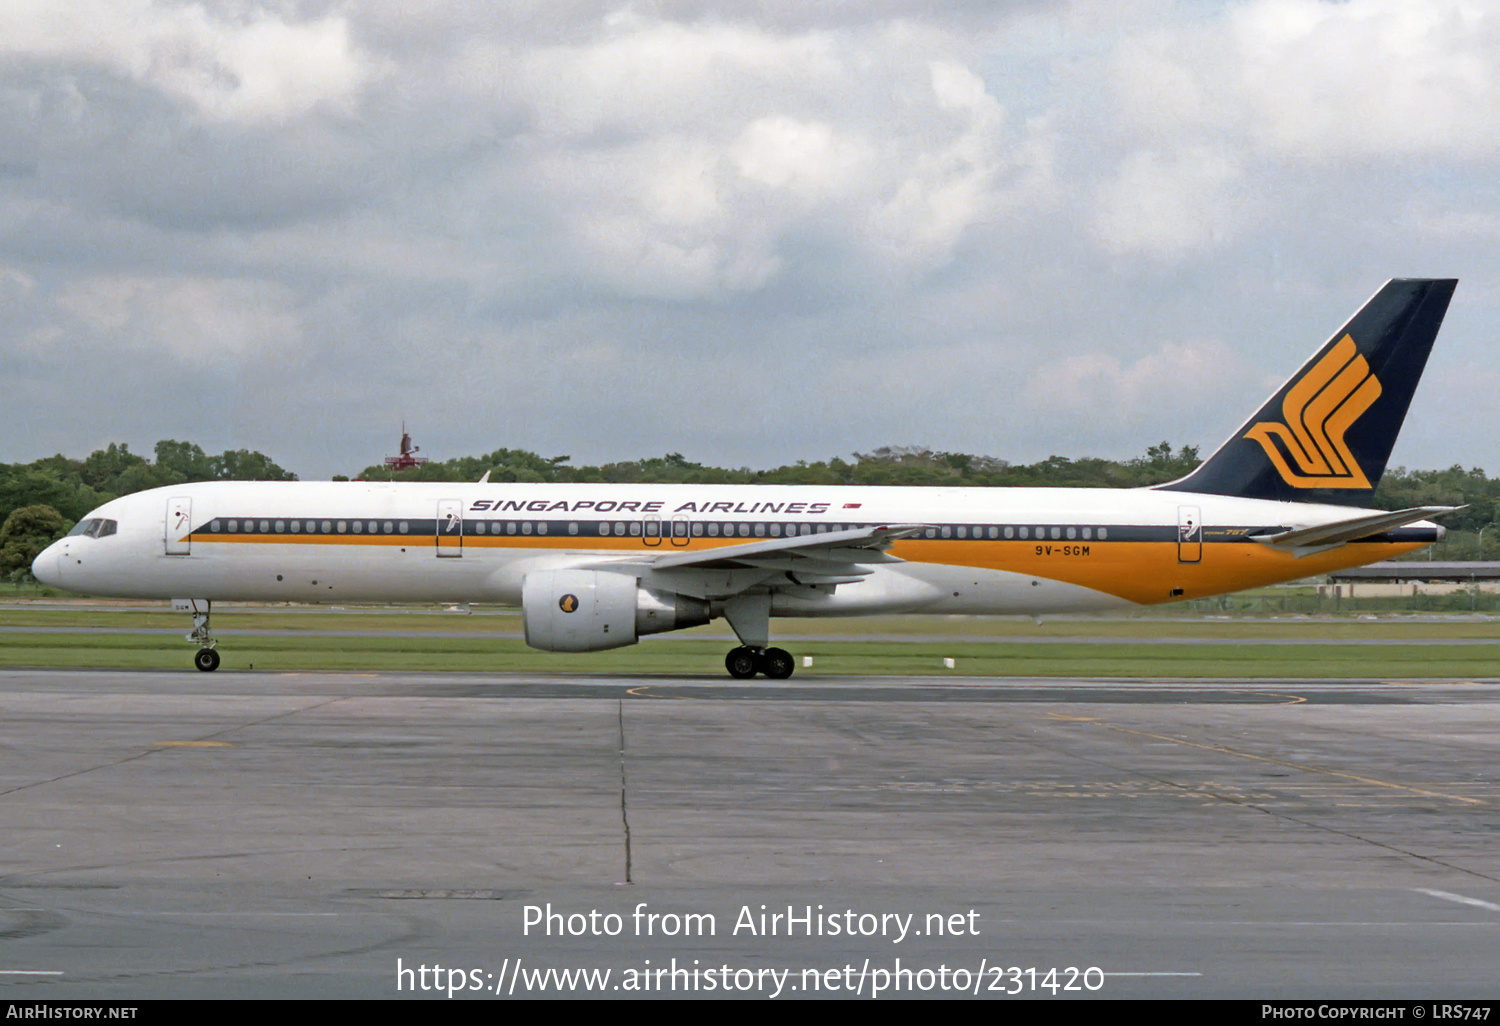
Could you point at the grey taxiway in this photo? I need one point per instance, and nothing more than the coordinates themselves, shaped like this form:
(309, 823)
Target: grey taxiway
(370, 835)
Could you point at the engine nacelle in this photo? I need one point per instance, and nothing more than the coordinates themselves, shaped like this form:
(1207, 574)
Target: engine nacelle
(592, 610)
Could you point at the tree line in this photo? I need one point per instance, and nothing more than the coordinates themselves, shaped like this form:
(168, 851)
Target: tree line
(885, 466)
(42, 500)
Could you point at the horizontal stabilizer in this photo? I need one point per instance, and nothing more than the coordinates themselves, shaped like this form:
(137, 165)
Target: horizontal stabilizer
(1303, 541)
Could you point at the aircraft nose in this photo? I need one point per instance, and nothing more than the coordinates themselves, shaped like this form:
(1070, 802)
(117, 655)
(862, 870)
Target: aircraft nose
(47, 566)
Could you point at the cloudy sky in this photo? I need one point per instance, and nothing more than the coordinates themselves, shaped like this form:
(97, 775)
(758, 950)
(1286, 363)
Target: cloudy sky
(751, 232)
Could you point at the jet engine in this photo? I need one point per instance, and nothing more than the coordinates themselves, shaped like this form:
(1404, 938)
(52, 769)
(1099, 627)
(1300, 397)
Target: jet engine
(591, 610)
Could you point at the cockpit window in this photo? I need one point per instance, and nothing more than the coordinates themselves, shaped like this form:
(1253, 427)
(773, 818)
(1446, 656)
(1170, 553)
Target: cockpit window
(95, 527)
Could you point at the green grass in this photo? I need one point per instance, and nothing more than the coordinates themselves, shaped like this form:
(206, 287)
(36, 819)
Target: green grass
(1225, 647)
(696, 655)
(1170, 622)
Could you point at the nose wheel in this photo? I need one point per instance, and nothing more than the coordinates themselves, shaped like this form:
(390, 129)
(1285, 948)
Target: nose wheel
(745, 662)
(206, 658)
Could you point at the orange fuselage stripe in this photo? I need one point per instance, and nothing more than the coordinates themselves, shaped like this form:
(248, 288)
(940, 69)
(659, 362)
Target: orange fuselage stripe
(1141, 572)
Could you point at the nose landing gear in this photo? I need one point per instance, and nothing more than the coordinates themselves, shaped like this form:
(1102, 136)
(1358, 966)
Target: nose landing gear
(207, 656)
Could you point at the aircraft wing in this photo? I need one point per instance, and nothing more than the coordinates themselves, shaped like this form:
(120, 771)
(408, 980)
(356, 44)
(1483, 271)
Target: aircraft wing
(836, 557)
(1304, 541)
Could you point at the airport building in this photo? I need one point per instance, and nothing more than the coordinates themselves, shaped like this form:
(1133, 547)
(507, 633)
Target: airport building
(1401, 578)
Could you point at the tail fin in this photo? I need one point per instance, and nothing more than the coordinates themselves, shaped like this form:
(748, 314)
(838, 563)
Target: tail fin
(1327, 435)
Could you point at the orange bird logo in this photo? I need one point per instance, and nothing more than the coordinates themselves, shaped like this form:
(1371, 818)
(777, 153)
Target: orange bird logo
(1318, 411)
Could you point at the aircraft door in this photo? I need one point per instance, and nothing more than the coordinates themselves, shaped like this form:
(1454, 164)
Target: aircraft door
(680, 529)
(179, 527)
(1189, 534)
(651, 529)
(450, 528)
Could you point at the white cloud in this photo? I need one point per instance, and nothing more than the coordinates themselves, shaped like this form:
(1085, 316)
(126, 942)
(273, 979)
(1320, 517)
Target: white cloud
(808, 159)
(948, 189)
(1322, 81)
(690, 155)
(686, 195)
(1185, 378)
(637, 76)
(1370, 77)
(15, 284)
(258, 66)
(193, 321)
(1292, 110)
(1170, 206)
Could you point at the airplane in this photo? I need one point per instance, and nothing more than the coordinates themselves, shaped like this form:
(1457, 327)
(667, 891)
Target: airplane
(598, 566)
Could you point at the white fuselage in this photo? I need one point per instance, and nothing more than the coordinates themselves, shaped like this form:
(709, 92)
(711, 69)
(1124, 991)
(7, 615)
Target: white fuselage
(977, 550)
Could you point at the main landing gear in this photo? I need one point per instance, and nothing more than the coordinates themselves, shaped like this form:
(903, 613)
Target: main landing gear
(745, 662)
(750, 616)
